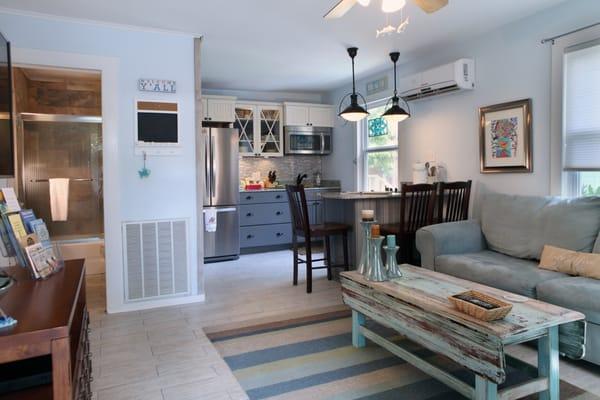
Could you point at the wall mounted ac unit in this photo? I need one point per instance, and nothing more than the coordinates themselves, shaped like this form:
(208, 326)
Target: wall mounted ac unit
(456, 76)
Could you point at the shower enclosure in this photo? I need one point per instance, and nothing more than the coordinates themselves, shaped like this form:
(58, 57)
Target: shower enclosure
(63, 146)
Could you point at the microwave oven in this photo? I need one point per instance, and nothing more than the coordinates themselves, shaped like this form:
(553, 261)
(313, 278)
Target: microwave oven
(307, 140)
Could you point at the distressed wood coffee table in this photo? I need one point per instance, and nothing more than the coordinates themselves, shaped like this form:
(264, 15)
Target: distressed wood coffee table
(416, 306)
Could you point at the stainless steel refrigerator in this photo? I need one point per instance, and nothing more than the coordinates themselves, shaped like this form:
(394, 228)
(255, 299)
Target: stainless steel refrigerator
(221, 192)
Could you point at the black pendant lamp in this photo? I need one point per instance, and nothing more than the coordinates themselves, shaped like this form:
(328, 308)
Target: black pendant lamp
(396, 113)
(354, 112)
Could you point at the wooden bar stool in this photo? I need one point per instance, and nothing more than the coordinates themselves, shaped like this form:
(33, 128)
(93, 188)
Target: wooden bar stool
(453, 201)
(417, 203)
(301, 227)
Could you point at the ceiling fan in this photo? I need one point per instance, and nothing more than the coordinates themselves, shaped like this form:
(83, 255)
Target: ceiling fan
(387, 6)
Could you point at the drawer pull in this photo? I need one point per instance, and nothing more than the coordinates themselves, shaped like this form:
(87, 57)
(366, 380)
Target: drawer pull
(249, 236)
(279, 234)
(278, 196)
(249, 215)
(278, 213)
(248, 197)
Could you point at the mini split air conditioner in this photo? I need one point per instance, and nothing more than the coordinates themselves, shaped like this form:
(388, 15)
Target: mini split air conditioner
(456, 76)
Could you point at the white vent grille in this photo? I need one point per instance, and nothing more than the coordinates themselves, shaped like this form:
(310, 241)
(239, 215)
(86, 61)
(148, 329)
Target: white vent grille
(156, 259)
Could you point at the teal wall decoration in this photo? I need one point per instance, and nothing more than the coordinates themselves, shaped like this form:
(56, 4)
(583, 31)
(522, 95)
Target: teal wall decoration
(378, 127)
(144, 172)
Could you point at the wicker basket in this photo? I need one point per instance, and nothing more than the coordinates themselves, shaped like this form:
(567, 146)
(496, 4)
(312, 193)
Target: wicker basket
(480, 312)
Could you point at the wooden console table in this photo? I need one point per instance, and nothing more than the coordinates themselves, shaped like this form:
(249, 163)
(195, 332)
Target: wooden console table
(417, 306)
(52, 321)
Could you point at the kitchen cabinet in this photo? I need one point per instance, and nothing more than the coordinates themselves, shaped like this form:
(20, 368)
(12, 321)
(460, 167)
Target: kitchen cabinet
(261, 129)
(300, 114)
(265, 219)
(218, 108)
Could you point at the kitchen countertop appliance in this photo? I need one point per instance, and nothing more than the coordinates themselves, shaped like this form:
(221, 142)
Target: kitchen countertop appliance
(221, 192)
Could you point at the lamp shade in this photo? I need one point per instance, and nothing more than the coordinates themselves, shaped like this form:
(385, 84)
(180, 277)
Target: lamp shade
(395, 113)
(354, 112)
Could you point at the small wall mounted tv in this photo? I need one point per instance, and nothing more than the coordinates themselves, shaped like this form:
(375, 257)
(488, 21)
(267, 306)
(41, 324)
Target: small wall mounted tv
(7, 163)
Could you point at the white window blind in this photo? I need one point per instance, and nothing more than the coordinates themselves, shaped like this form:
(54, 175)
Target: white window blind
(582, 108)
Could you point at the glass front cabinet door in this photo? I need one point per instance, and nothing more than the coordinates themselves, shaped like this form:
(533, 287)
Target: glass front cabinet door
(260, 128)
(271, 130)
(244, 122)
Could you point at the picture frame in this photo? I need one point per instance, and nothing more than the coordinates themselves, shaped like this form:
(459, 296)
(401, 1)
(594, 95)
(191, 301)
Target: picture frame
(505, 137)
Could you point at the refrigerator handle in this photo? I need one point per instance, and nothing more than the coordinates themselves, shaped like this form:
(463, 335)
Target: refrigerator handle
(212, 169)
(207, 166)
(322, 143)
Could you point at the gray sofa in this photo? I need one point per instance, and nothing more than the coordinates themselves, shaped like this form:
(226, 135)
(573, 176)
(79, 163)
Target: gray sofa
(503, 247)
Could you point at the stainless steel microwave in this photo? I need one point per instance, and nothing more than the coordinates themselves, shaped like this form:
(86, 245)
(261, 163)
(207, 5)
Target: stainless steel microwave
(307, 140)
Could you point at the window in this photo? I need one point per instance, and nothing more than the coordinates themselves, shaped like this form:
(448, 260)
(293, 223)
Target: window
(380, 152)
(581, 119)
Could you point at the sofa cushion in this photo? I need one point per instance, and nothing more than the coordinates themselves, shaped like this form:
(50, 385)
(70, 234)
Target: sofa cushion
(576, 293)
(497, 270)
(520, 226)
(597, 245)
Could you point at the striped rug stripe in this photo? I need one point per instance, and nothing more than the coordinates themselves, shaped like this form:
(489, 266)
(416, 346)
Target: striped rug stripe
(317, 361)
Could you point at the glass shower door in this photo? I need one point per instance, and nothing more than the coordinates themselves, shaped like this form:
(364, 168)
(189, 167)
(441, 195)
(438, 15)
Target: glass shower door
(63, 146)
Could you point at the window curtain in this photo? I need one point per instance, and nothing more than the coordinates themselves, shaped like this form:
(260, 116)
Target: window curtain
(582, 107)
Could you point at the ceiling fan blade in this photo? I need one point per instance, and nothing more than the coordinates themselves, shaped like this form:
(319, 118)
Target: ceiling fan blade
(340, 9)
(431, 6)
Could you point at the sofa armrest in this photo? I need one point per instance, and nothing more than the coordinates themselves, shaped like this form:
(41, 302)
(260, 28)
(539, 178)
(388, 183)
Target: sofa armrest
(449, 238)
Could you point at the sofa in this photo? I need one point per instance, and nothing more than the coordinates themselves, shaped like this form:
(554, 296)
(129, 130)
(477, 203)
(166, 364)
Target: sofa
(502, 248)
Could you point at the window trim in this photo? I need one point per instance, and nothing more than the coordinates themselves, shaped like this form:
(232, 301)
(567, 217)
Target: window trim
(562, 182)
(365, 150)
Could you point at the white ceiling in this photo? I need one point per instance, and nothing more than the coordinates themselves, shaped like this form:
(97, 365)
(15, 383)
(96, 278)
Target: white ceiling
(286, 45)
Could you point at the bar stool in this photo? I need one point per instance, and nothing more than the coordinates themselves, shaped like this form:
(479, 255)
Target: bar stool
(417, 204)
(301, 227)
(453, 201)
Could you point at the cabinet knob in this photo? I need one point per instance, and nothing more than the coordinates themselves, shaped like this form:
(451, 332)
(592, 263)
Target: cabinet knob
(279, 234)
(278, 196)
(278, 213)
(248, 197)
(249, 215)
(249, 236)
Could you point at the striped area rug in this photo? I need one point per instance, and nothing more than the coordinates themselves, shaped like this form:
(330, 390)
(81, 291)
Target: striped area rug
(314, 359)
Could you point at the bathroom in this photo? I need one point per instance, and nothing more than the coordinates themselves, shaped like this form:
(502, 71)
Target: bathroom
(58, 126)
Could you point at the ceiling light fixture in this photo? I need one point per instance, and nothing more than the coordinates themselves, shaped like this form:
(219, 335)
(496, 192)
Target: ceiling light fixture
(354, 112)
(395, 113)
(391, 6)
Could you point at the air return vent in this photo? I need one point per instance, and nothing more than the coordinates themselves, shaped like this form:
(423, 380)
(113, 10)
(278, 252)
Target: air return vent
(156, 259)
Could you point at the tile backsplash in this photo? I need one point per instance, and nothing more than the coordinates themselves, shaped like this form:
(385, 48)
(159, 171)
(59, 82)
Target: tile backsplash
(287, 167)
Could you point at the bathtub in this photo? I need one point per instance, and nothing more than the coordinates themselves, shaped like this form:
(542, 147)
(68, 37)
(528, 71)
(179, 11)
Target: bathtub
(89, 248)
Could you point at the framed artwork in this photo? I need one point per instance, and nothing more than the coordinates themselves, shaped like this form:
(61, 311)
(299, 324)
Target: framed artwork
(505, 137)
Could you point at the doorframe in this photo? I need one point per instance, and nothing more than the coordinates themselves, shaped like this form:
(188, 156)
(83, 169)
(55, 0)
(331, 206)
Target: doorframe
(109, 69)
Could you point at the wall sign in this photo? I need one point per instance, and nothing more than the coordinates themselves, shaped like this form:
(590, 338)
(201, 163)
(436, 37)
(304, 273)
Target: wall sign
(157, 85)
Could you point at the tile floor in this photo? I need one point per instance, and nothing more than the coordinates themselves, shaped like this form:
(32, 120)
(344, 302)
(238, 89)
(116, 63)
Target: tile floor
(163, 354)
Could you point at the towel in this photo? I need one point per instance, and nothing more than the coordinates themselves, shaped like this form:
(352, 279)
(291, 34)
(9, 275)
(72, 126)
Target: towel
(210, 219)
(59, 198)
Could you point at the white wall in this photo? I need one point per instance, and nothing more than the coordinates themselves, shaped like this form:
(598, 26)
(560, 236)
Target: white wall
(510, 64)
(170, 190)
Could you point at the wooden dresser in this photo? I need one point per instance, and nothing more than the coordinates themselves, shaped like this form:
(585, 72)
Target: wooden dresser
(50, 340)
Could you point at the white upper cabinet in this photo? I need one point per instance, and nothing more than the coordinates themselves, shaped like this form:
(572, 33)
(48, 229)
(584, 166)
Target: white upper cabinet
(218, 108)
(261, 129)
(300, 114)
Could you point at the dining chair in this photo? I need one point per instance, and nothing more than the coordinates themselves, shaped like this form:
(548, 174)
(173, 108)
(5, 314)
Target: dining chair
(417, 204)
(453, 201)
(302, 228)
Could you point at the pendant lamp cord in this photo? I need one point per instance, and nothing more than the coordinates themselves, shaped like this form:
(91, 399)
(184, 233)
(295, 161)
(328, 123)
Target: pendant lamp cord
(353, 79)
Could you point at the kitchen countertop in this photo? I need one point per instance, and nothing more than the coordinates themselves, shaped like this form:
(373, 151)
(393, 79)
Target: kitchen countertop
(360, 195)
(282, 189)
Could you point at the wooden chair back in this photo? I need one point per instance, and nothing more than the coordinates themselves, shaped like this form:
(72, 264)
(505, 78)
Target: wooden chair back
(298, 210)
(417, 205)
(453, 201)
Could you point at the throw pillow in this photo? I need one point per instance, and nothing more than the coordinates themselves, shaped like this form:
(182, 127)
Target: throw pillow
(587, 264)
(557, 259)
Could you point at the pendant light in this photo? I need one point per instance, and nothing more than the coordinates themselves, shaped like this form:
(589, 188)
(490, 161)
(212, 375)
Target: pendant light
(354, 112)
(395, 113)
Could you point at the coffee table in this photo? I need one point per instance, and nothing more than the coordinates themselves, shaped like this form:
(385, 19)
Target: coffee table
(417, 307)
